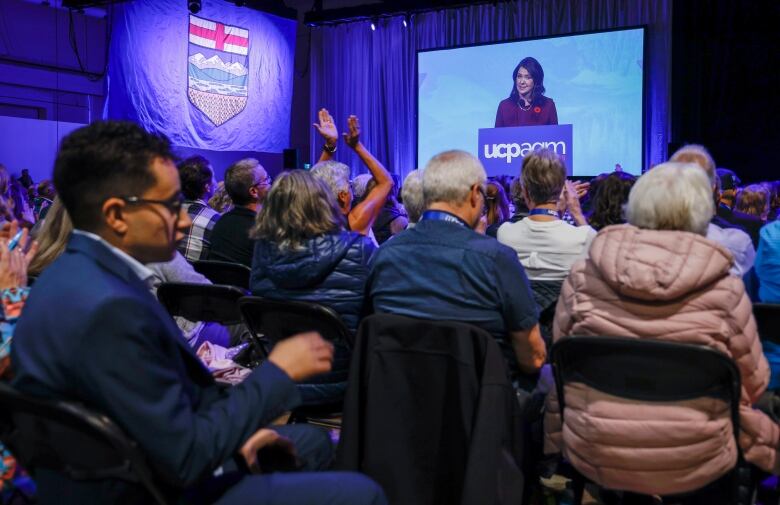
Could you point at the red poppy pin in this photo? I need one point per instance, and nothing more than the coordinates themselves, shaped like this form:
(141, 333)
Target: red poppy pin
(537, 109)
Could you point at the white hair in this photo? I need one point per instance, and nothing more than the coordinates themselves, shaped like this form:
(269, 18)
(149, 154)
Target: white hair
(359, 185)
(672, 196)
(699, 155)
(412, 195)
(335, 174)
(449, 176)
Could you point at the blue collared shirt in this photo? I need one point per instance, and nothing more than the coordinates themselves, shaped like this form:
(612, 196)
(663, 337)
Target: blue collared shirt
(138, 268)
(446, 271)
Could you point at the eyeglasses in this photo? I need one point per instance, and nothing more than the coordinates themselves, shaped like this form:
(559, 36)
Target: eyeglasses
(265, 182)
(173, 204)
(484, 199)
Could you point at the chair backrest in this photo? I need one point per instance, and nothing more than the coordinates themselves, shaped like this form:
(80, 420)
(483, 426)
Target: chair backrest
(279, 319)
(429, 404)
(646, 370)
(202, 302)
(224, 272)
(69, 439)
(768, 320)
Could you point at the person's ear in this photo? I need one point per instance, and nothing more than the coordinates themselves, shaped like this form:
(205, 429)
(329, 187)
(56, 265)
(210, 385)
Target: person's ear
(113, 215)
(474, 196)
(254, 192)
(343, 198)
(526, 198)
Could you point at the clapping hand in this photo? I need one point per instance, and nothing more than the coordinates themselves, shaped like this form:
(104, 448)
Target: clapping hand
(570, 200)
(327, 127)
(352, 137)
(13, 263)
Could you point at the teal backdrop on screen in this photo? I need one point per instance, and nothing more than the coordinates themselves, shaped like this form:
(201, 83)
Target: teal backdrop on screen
(594, 79)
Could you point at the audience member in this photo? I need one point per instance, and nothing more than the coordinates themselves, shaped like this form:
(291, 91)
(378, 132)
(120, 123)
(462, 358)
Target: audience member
(25, 179)
(361, 217)
(767, 272)
(360, 187)
(727, 180)
(774, 202)
(197, 185)
(114, 348)
(45, 194)
(497, 208)
(412, 196)
(608, 201)
(303, 253)
(443, 269)
(660, 278)
(247, 183)
(53, 238)
(546, 245)
(518, 201)
(727, 233)
(20, 207)
(392, 218)
(220, 201)
(13, 293)
(753, 200)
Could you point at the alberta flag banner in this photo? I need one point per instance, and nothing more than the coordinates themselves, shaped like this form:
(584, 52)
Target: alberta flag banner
(219, 80)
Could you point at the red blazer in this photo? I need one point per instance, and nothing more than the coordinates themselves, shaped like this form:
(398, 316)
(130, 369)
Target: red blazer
(542, 112)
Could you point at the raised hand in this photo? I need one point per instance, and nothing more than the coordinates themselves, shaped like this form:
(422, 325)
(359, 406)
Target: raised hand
(352, 136)
(327, 127)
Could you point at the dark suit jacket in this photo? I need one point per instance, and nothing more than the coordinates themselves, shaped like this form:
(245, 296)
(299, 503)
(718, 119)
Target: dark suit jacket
(91, 331)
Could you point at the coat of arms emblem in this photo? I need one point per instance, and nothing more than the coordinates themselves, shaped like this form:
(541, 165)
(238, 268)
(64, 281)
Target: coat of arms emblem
(218, 69)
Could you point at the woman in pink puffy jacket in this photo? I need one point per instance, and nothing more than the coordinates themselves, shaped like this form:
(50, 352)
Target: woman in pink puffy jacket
(658, 277)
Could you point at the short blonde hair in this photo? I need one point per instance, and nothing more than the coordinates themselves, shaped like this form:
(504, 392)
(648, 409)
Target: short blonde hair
(672, 196)
(543, 176)
(699, 155)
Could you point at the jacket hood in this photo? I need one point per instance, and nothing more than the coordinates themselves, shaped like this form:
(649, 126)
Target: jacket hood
(657, 264)
(305, 266)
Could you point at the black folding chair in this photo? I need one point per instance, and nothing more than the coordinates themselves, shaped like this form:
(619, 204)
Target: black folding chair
(279, 319)
(276, 320)
(651, 371)
(768, 320)
(211, 303)
(73, 441)
(224, 272)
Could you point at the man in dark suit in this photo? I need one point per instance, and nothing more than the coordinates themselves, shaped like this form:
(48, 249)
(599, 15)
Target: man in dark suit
(92, 332)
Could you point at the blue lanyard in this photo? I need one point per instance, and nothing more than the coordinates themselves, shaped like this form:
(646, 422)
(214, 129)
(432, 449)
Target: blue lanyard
(545, 212)
(440, 215)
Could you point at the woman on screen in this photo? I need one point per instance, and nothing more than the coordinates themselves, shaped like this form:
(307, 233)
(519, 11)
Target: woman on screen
(527, 105)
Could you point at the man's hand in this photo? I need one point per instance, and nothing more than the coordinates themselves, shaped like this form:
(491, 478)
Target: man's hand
(265, 438)
(352, 137)
(570, 200)
(327, 128)
(303, 355)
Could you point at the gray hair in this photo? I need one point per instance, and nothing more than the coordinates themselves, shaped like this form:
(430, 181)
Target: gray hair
(360, 184)
(333, 173)
(699, 155)
(240, 177)
(672, 196)
(412, 195)
(449, 176)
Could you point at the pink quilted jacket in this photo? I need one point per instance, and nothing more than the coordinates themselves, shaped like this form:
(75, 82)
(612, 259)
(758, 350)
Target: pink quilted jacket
(673, 286)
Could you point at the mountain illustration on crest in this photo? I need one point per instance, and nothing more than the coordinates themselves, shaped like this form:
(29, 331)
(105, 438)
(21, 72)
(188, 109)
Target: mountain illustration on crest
(215, 62)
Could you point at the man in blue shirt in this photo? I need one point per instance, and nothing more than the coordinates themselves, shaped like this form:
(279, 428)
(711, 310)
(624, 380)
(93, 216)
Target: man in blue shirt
(443, 269)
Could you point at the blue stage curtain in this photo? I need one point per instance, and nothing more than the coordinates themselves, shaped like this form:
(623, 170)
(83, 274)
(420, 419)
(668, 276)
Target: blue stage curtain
(230, 90)
(372, 73)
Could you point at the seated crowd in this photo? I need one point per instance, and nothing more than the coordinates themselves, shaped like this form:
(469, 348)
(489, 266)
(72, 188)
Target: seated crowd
(678, 254)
